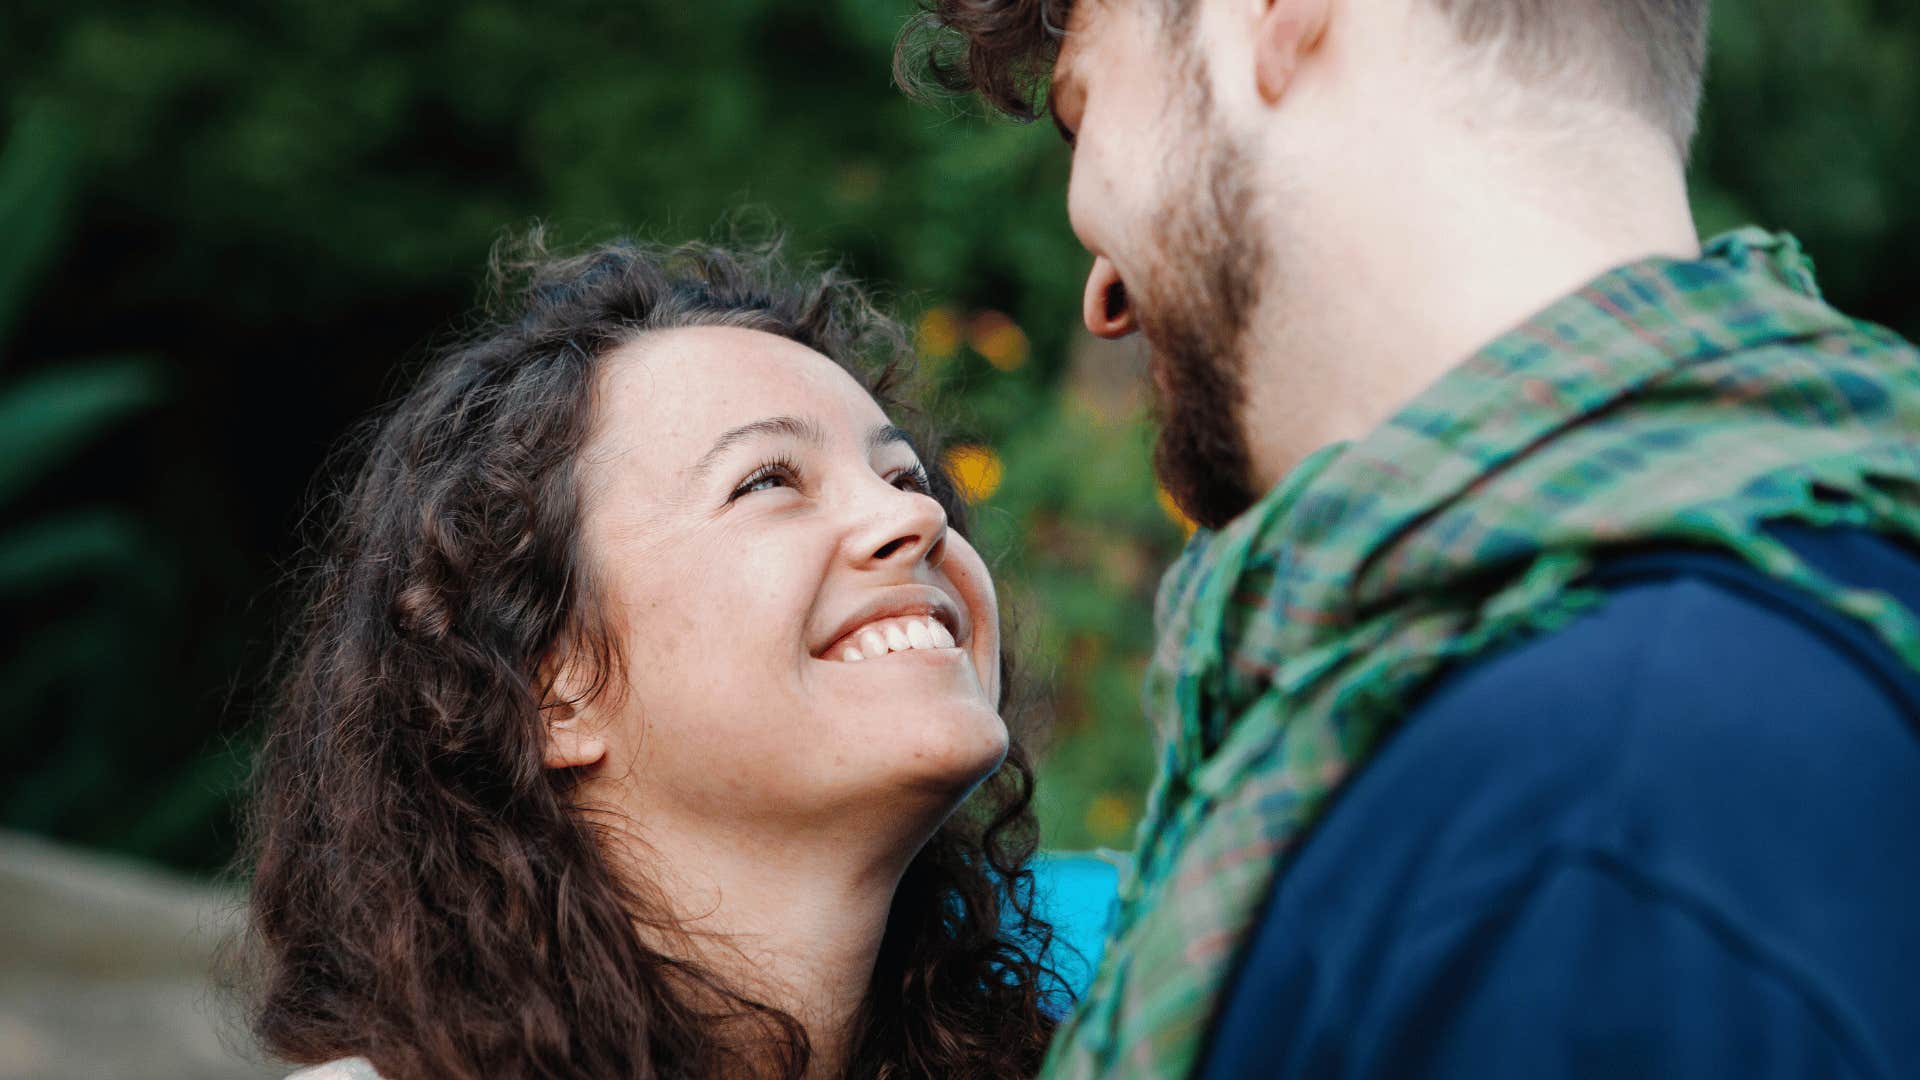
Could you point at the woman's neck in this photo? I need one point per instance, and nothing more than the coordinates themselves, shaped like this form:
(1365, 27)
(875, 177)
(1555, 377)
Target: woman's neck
(795, 925)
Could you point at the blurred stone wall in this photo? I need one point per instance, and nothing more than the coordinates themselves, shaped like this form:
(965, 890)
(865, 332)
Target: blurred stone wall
(105, 971)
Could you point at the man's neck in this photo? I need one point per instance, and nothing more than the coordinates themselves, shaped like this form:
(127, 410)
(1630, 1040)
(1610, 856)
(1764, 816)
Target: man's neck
(1421, 263)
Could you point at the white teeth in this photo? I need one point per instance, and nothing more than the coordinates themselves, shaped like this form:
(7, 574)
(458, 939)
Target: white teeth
(896, 635)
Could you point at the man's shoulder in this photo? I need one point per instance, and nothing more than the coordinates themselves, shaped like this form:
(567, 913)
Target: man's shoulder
(1696, 677)
(1702, 775)
(1690, 636)
(1699, 708)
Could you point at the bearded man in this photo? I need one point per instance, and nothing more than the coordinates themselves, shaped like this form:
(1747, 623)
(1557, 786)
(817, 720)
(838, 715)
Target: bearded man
(1539, 696)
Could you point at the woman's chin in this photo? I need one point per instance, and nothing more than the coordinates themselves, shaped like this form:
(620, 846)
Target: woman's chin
(950, 753)
(926, 700)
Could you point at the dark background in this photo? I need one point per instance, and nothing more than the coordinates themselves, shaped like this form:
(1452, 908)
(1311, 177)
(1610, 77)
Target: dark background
(224, 232)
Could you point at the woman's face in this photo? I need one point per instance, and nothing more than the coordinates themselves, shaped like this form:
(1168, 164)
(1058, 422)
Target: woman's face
(804, 638)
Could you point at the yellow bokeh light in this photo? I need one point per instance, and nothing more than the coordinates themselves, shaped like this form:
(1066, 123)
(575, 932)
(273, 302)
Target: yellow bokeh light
(1173, 510)
(939, 332)
(977, 470)
(999, 339)
(1108, 818)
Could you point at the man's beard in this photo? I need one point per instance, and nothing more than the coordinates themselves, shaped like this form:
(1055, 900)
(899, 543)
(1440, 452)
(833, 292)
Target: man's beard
(1195, 308)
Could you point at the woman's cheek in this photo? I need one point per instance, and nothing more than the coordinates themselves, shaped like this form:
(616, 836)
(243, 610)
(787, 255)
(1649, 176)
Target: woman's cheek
(968, 572)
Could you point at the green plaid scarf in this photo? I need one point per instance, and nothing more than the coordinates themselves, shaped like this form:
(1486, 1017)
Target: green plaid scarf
(1672, 401)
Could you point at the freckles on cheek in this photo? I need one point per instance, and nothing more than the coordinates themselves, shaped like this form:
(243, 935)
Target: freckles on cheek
(657, 636)
(711, 618)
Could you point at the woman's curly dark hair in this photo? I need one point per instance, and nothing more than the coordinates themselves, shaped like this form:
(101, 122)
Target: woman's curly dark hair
(422, 893)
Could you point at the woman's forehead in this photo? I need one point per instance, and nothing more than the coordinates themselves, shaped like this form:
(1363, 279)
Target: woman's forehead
(682, 388)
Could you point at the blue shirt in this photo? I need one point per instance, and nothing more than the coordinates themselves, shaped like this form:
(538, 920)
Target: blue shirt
(1680, 837)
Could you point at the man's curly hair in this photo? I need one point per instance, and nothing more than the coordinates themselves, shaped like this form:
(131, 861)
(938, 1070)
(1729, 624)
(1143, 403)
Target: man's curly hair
(1001, 49)
(1652, 52)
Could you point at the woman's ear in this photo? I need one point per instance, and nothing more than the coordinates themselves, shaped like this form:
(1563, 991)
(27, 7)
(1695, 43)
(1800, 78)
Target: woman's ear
(572, 741)
(1284, 31)
(575, 737)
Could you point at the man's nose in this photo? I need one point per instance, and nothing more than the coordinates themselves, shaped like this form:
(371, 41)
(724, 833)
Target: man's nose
(1106, 309)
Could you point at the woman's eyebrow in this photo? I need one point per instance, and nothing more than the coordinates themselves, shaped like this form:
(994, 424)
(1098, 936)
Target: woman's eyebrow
(794, 427)
(887, 435)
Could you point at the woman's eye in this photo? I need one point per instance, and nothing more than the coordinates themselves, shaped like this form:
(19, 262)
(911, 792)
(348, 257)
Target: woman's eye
(766, 478)
(915, 480)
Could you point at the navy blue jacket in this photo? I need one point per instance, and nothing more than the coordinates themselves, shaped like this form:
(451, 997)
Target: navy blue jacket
(1680, 837)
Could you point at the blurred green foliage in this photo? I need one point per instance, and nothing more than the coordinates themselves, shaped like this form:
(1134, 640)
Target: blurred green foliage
(85, 567)
(287, 199)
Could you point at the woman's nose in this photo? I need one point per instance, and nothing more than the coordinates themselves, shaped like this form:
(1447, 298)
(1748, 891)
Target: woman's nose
(905, 528)
(1106, 309)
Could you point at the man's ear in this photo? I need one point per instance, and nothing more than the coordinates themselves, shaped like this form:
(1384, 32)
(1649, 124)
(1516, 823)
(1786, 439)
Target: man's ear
(1284, 31)
(575, 737)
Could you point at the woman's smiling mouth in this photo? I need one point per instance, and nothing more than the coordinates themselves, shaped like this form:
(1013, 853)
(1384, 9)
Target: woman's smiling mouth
(891, 635)
(912, 618)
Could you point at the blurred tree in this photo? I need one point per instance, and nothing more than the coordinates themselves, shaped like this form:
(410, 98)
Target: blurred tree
(86, 575)
(1813, 125)
(289, 198)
